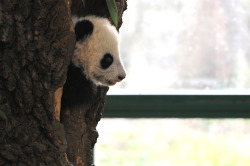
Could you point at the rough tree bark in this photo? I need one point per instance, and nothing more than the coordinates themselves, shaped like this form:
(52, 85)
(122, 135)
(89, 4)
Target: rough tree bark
(36, 44)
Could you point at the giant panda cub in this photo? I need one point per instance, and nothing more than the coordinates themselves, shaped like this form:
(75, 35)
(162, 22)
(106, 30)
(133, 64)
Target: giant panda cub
(95, 62)
(97, 50)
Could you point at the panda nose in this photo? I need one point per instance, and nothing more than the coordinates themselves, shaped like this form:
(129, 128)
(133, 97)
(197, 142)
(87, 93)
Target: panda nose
(121, 77)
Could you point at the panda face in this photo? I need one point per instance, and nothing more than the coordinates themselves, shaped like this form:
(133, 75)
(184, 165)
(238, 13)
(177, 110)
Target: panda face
(97, 50)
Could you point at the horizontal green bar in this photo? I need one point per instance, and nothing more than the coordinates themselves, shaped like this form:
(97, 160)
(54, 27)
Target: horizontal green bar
(177, 106)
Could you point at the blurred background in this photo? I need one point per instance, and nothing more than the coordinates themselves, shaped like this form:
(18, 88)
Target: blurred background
(185, 45)
(173, 142)
(181, 47)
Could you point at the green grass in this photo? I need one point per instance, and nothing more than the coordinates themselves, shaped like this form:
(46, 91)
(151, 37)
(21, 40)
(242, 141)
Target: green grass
(173, 142)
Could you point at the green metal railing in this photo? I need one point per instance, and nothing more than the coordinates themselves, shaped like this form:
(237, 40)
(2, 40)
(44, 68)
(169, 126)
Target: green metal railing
(177, 106)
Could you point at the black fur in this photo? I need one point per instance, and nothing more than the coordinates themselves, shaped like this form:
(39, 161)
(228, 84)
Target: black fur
(83, 29)
(77, 89)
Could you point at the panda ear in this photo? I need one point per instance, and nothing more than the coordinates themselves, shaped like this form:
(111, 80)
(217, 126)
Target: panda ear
(83, 29)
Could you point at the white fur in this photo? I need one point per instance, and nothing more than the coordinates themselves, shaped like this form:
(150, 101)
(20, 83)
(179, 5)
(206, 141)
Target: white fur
(90, 51)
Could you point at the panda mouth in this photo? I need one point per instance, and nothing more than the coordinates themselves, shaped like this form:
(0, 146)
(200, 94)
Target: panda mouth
(111, 83)
(104, 81)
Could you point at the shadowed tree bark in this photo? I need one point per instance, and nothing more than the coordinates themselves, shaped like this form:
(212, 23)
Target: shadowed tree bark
(36, 44)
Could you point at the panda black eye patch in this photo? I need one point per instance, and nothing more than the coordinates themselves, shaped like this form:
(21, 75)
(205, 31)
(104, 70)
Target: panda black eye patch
(106, 61)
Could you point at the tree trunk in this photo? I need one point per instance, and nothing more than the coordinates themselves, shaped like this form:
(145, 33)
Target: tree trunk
(36, 44)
